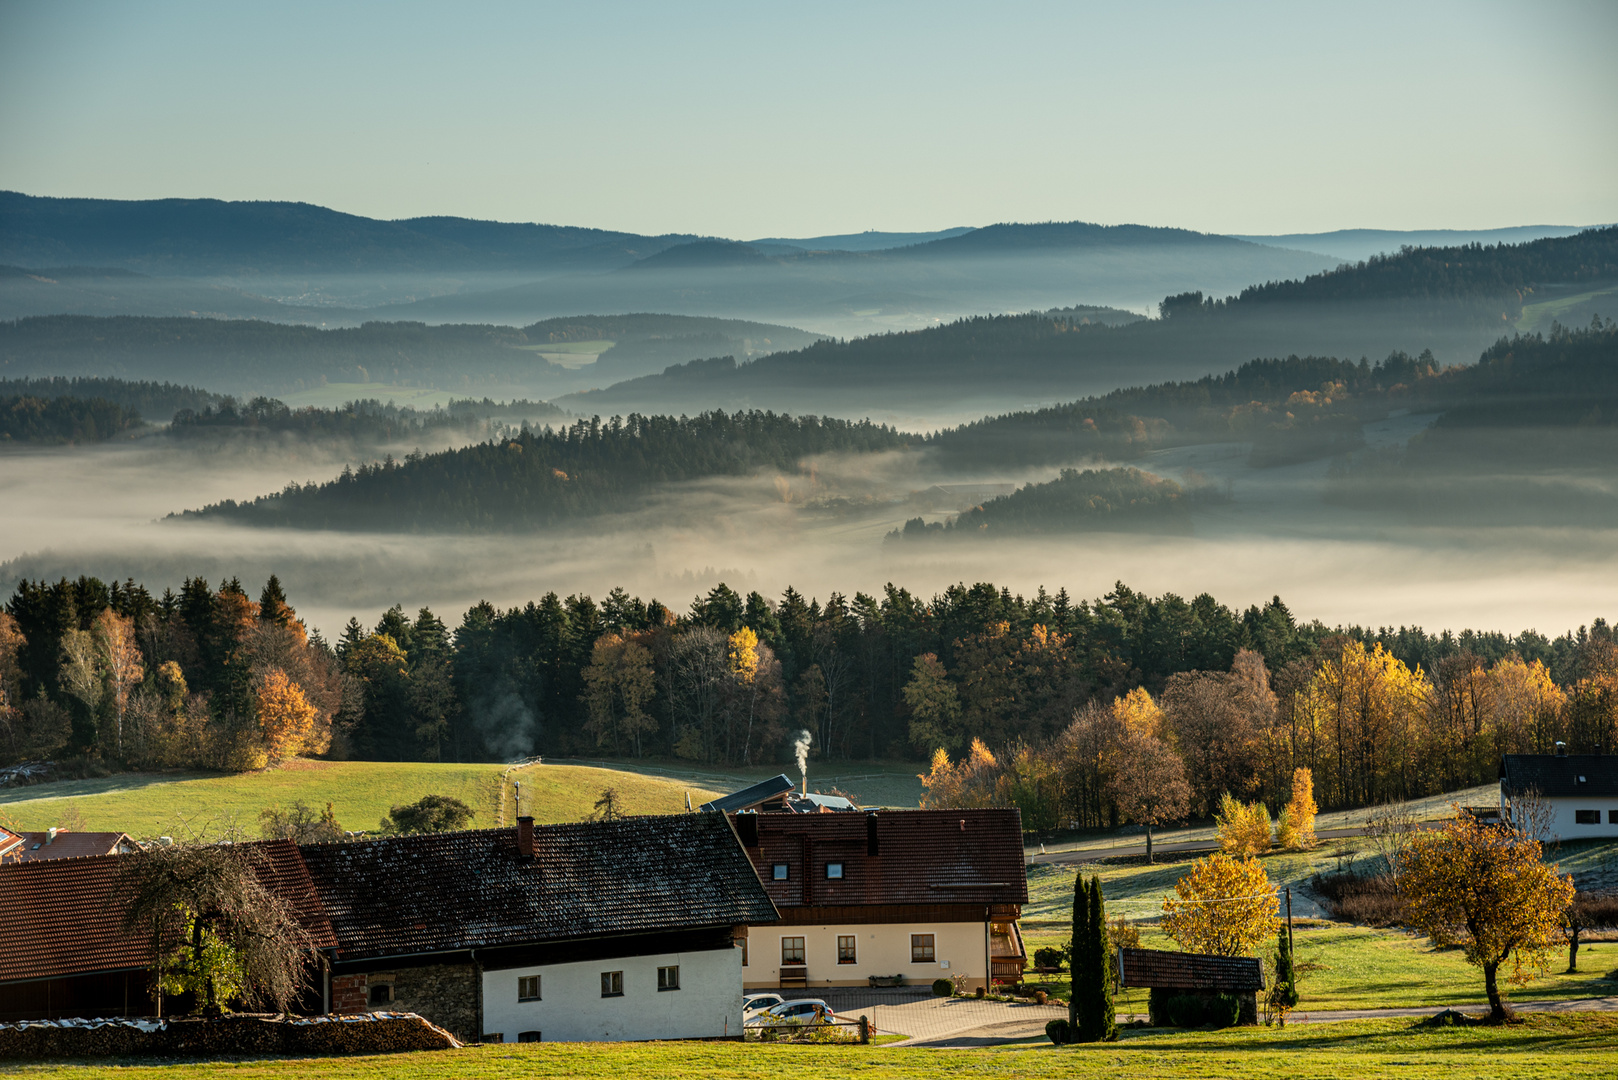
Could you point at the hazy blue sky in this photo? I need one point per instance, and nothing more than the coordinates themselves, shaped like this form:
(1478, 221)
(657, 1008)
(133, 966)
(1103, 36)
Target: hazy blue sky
(758, 119)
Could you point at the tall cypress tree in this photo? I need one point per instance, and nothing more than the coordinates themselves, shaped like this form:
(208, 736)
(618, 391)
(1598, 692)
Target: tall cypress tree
(1075, 953)
(1105, 1026)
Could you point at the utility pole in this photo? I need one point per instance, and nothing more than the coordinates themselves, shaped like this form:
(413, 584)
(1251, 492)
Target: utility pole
(1289, 918)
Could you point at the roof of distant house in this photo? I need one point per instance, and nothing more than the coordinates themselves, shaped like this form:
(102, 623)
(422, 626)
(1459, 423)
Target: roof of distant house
(66, 845)
(923, 857)
(1555, 776)
(444, 892)
(751, 796)
(1189, 971)
(62, 915)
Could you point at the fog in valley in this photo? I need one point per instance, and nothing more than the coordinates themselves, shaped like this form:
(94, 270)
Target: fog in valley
(102, 510)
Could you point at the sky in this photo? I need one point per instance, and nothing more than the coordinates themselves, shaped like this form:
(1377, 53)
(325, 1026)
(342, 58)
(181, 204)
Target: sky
(793, 119)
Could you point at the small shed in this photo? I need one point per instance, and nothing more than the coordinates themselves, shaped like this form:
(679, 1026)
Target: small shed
(1195, 973)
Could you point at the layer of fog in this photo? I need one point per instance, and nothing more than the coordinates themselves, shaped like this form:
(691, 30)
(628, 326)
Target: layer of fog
(98, 511)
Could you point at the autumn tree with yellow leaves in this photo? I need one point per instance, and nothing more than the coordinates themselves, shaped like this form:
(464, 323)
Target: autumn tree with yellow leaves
(285, 716)
(618, 684)
(1295, 827)
(1222, 907)
(1485, 888)
(1148, 784)
(1242, 828)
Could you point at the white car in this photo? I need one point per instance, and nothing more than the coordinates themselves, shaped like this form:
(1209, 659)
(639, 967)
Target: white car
(753, 1004)
(800, 1010)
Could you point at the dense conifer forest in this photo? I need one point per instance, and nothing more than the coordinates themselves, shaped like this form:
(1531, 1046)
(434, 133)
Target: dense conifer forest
(25, 419)
(1034, 696)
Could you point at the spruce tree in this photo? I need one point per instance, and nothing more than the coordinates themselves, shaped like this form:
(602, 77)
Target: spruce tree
(1284, 997)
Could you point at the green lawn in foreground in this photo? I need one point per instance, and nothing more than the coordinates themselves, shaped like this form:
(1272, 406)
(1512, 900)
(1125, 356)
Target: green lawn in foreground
(1563, 1046)
(152, 804)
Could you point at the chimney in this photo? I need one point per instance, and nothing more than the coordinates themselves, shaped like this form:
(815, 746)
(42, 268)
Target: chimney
(872, 846)
(525, 837)
(50, 836)
(806, 781)
(1561, 748)
(747, 829)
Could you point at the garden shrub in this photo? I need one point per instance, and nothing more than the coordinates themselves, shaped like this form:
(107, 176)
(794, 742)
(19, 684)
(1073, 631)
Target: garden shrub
(943, 988)
(1056, 1031)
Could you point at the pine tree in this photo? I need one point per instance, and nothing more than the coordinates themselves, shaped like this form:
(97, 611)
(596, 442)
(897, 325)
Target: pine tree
(1284, 997)
(1091, 994)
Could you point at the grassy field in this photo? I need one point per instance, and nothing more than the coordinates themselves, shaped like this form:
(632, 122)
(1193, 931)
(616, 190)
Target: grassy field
(1581, 1046)
(334, 394)
(180, 804)
(873, 783)
(569, 354)
(1538, 317)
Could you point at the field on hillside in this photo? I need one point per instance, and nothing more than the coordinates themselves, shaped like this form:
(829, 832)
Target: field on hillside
(1578, 1045)
(181, 804)
(871, 783)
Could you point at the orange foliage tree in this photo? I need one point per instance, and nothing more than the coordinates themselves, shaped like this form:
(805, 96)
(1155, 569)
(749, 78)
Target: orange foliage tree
(285, 716)
(1485, 888)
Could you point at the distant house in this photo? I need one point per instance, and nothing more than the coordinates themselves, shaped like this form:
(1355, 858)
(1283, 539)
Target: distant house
(1580, 791)
(603, 931)
(60, 844)
(919, 893)
(776, 795)
(64, 953)
(1195, 974)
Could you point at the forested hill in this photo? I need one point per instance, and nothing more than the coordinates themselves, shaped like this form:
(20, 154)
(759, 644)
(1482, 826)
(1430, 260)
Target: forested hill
(254, 357)
(365, 421)
(1453, 301)
(541, 478)
(62, 420)
(209, 236)
(155, 400)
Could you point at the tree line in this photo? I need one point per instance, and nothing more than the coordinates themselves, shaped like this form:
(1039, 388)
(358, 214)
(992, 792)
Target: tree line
(26, 419)
(1088, 500)
(1040, 701)
(366, 420)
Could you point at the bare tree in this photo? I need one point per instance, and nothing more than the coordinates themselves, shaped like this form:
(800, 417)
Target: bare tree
(1531, 814)
(1149, 785)
(215, 928)
(1390, 831)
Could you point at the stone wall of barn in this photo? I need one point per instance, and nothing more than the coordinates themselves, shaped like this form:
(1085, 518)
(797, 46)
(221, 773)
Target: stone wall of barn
(446, 994)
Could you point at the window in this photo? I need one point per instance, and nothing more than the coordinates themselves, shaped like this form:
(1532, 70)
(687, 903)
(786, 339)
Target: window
(668, 978)
(779, 871)
(530, 1036)
(381, 994)
(792, 950)
(845, 949)
(834, 869)
(1587, 817)
(1612, 817)
(528, 988)
(921, 949)
(744, 952)
(612, 984)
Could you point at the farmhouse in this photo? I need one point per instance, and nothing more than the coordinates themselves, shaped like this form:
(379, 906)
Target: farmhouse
(1579, 791)
(921, 894)
(64, 953)
(54, 843)
(603, 930)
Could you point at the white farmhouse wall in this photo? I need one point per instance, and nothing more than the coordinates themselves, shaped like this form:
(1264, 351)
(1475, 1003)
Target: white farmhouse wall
(1564, 827)
(880, 949)
(571, 1008)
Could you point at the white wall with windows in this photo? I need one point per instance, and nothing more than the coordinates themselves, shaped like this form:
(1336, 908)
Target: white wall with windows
(1577, 817)
(686, 995)
(849, 954)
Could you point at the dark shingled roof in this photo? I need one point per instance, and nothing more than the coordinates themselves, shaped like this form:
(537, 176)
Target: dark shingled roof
(61, 917)
(1558, 777)
(1189, 971)
(443, 892)
(923, 857)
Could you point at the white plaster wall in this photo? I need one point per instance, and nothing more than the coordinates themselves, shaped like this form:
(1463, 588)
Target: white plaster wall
(708, 1003)
(881, 949)
(1563, 827)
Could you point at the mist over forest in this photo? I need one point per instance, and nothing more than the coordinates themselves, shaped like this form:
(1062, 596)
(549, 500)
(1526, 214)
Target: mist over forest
(475, 419)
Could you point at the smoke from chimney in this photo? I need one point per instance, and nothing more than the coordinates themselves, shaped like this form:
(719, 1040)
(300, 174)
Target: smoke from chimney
(800, 749)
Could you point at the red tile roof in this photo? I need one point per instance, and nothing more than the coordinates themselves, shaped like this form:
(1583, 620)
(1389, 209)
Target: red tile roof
(923, 857)
(1189, 971)
(69, 845)
(61, 916)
